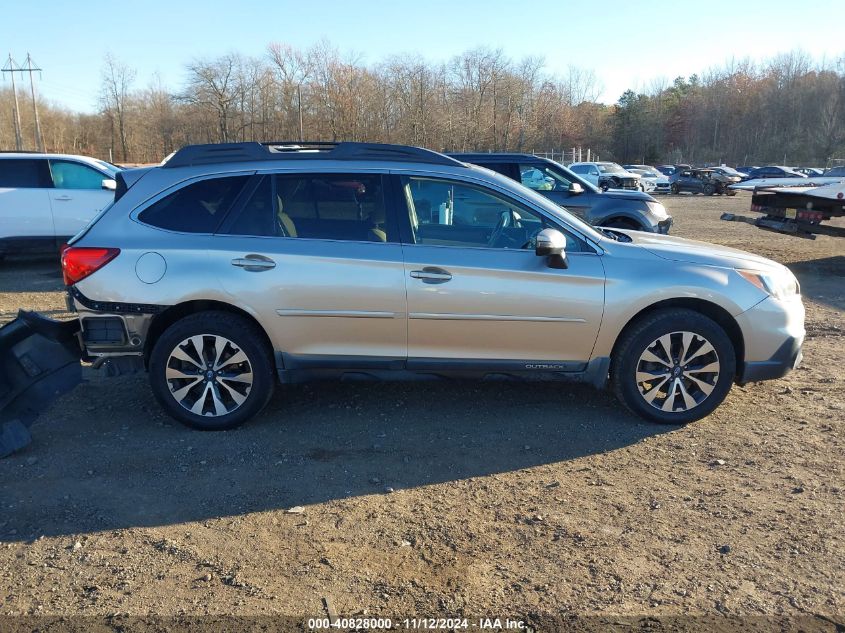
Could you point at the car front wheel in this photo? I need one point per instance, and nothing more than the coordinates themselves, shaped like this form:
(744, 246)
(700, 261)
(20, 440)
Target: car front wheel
(212, 370)
(673, 367)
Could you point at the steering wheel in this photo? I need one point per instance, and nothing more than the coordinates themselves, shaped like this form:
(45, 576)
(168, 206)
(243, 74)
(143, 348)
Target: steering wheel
(501, 225)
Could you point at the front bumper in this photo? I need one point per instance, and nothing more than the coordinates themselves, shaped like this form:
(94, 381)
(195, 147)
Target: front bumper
(785, 359)
(773, 332)
(664, 225)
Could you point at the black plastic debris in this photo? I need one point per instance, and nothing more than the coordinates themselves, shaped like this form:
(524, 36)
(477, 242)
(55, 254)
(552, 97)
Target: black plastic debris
(39, 361)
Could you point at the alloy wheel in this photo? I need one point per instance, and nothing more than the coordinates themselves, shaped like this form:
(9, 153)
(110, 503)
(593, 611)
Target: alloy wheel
(677, 371)
(209, 375)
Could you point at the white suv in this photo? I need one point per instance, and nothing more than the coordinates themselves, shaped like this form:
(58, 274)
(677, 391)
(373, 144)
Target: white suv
(47, 198)
(607, 175)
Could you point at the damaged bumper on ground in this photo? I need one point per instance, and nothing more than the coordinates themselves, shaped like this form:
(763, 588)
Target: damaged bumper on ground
(39, 361)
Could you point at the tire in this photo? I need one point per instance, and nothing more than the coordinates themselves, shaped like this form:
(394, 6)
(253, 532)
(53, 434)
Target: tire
(686, 399)
(674, 188)
(730, 192)
(229, 399)
(708, 190)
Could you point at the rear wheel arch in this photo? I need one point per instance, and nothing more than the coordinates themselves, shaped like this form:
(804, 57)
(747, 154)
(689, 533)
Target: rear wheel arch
(711, 310)
(174, 313)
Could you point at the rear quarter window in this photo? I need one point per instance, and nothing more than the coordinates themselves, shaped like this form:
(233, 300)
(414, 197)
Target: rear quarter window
(196, 208)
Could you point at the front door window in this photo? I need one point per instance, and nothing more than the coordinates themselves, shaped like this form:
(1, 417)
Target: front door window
(449, 213)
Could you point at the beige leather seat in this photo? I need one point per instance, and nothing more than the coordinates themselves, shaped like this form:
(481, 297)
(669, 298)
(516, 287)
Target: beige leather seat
(377, 219)
(285, 221)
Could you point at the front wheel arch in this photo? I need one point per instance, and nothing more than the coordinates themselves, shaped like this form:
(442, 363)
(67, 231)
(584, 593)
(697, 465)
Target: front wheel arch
(622, 222)
(711, 310)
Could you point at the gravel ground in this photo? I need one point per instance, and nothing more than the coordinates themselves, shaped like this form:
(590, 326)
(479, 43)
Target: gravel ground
(443, 499)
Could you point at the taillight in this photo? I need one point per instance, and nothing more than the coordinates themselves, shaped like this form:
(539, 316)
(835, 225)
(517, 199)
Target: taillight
(79, 261)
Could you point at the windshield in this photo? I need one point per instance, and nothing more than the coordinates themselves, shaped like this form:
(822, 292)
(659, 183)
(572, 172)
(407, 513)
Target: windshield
(610, 168)
(544, 203)
(730, 171)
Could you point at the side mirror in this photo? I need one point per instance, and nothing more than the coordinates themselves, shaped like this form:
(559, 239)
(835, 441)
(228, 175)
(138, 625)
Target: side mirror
(551, 244)
(110, 184)
(575, 188)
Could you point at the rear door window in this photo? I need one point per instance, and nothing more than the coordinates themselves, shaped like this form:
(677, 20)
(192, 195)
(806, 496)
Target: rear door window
(24, 173)
(506, 169)
(196, 208)
(319, 206)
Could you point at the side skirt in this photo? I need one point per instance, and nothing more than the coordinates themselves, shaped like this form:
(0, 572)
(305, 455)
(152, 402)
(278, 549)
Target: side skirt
(299, 369)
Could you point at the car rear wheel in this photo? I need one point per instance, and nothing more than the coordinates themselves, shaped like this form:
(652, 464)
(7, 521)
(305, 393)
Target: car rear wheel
(212, 370)
(673, 367)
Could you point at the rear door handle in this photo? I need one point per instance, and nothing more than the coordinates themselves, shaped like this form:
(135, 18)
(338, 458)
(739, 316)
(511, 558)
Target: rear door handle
(254, 263)
(432, 275)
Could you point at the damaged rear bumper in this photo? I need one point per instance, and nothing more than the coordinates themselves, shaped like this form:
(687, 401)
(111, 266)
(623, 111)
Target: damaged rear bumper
(39, 361)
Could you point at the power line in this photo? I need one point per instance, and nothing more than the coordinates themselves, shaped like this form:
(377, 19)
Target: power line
(30, 67)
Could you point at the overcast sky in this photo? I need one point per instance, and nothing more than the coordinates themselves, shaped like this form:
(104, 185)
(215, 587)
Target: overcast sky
(627, 43)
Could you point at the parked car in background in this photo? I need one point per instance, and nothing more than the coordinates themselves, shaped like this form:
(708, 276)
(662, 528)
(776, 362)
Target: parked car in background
(667, 170)
(189, 276)
(707, 181)
(810, 171)
(45, 199)
(651, 180)
(774, 171)
(607, 175)
(613, 209)
(835, 171)
(730, 172)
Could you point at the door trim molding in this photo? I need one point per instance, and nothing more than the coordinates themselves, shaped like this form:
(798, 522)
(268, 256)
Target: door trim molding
(447, 316)
(345, 314)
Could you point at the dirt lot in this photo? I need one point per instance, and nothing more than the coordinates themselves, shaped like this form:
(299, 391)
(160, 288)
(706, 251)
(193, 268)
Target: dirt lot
(442, 499)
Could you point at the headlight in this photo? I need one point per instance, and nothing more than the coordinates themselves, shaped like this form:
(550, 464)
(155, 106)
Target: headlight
(657, 210)
(777, 285)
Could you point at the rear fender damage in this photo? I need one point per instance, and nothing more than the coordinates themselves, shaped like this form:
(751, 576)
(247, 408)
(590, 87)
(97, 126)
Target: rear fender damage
(39, 361)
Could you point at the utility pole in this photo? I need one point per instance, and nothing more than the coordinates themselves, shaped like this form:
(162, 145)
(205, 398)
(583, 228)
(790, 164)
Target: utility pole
(39, 142)
(10, 68)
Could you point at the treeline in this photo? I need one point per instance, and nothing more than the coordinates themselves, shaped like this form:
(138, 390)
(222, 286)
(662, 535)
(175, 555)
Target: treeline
(789, 109)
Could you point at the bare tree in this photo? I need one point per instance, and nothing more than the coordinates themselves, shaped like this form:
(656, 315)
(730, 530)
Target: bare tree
(294, 68)
(214, 86)
(117, 79)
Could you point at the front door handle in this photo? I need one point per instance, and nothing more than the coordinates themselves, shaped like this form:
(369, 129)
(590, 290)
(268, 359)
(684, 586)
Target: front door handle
(432, 275)
(63, 198)
(254, 263)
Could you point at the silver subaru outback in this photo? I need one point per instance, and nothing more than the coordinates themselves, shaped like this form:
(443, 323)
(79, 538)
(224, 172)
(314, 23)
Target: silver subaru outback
(231, 267)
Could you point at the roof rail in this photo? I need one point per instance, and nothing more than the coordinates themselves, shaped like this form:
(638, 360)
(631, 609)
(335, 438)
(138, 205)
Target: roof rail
(298, 150)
